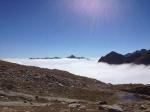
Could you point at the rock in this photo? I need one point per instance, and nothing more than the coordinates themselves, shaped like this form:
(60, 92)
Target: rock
(25, 101)
(101, 103)
(82, 107)
(143, 107)
(73, 102)
(36, 97)
(110, 108)
(75, 107)
(63, 102)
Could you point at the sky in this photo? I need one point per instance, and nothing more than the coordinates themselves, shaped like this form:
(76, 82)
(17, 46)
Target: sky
(91, 28)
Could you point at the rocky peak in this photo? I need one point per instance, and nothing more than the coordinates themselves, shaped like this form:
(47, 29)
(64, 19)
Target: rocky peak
(112, 58)
(71, 56)
(138, 57)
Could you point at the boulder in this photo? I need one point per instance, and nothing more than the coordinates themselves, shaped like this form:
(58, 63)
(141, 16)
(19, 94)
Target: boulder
(101, 103)
(110, 108)
(75, 107)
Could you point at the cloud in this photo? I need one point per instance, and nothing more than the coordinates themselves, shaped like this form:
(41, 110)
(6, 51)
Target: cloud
(115, 74)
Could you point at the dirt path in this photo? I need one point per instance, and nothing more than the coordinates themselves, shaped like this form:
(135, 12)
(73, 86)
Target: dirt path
(31, 99)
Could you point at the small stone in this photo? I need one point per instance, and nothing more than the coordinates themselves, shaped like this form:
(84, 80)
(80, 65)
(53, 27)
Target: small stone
(25, 101)
(74, 105)
(63, 102)
(143, 107)
(36, 97)
(110, 108)
(77, 108)
(101, 103)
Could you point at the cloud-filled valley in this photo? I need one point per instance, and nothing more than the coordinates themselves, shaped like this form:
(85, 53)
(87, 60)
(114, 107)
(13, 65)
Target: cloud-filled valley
(115, 74)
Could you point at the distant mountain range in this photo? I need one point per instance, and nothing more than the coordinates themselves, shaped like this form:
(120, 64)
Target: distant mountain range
(47, 58)
(138, 57)
(69, 57)
(75, 57)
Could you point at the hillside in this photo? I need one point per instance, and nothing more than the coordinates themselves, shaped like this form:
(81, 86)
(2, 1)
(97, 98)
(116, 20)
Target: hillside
(33, 89)
(36, 80)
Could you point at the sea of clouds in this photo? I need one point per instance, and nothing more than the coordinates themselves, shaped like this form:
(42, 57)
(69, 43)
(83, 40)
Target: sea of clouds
(115, 74)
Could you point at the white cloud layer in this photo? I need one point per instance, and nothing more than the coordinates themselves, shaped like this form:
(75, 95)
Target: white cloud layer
(115, 74)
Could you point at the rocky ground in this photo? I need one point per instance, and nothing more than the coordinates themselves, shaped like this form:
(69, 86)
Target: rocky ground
(33, 89)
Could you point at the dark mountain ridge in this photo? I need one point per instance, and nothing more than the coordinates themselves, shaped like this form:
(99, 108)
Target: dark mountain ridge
(138, 57)
(75, 57)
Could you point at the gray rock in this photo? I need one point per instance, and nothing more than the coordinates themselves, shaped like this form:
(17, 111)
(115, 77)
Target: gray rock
(75, 107)
(101, 103)
(143, 107)
(110, 108)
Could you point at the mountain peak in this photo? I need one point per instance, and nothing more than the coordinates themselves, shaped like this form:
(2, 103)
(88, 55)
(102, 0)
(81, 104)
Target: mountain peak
(75, 57)
(71, 56)
(138, 57)
(112, 58)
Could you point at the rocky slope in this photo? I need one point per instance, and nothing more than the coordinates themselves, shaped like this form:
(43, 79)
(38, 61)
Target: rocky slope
(138, 57)
(44, 81)
(33, 89)
(112, 58)
(145, 90)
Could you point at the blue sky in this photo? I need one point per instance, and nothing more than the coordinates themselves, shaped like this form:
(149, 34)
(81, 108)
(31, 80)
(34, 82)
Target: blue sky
(91, 28)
